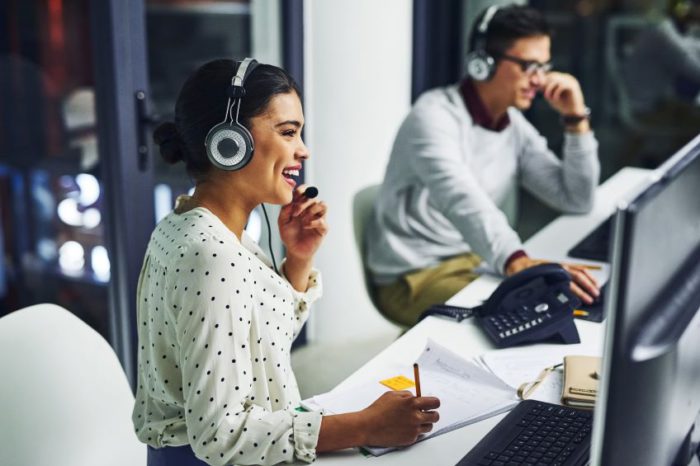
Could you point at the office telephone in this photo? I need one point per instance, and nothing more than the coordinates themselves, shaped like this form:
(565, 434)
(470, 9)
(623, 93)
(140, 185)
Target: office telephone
(533, 305)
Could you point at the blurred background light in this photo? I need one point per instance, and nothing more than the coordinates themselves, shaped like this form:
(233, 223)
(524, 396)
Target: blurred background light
(71, 258)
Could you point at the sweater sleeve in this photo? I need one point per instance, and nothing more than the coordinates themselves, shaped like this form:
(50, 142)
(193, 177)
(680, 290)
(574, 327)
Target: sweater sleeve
(433, 146)
(224, 423)
(567, 185)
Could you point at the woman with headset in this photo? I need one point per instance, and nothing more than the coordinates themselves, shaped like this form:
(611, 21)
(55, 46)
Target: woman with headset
(215, 320)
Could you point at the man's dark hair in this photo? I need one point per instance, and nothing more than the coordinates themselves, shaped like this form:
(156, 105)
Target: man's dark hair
(509, 24)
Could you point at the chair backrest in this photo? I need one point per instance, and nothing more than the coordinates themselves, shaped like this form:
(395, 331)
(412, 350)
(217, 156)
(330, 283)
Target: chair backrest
(64, 397)
(362, 207)
(620, 38)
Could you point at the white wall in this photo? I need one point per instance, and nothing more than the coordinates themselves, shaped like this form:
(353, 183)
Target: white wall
(357, 92)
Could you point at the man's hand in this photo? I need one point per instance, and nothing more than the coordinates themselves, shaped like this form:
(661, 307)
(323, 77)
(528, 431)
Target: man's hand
(563, 92)
(583, 284)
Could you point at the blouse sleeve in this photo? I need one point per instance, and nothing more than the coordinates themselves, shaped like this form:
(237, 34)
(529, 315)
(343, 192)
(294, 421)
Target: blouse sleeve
(304, 299)
(213, 328)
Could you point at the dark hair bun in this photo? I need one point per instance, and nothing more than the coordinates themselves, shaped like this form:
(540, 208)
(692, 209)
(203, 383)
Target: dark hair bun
(168, 139)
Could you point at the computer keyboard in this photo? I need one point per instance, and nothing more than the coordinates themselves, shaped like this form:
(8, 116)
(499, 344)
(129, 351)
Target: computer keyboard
(596, 310)
(535, 433)
(596, 244)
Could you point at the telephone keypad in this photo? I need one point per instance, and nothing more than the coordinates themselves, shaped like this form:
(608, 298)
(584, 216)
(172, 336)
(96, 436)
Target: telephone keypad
(511, 324)
(533, 305)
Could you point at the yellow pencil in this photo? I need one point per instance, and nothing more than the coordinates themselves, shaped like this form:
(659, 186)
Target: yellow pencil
(587, 266)
(416, 377)
(580, 313)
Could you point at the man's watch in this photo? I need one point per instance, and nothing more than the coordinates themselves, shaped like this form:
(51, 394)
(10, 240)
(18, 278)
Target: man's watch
(573, 120)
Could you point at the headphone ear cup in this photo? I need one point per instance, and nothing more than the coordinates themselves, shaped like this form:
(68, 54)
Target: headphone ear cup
(229, 146)
(480, 65)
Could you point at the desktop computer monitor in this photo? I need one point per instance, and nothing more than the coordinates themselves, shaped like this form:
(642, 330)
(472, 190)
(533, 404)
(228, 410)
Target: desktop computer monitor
(648, 408)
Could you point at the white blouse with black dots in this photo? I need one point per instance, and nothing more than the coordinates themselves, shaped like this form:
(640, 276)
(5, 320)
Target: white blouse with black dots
(215, 327)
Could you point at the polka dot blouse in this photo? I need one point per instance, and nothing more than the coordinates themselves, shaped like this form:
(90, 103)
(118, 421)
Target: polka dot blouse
(215, 327)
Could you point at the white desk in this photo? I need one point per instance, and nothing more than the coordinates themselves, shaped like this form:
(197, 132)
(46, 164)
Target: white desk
(468, 340)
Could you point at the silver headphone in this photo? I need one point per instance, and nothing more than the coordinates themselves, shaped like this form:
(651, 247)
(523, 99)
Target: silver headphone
(481, 65)
(229, 144)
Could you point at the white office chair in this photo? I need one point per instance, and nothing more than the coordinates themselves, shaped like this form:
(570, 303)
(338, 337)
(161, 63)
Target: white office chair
(362, 207)
(64, 397)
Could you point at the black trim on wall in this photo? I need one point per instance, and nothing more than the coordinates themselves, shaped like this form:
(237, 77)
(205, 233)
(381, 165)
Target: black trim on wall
(292, 23)
(120, 70)
(437, 33)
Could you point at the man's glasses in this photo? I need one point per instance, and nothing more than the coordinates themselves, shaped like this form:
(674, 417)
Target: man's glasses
(529, 67)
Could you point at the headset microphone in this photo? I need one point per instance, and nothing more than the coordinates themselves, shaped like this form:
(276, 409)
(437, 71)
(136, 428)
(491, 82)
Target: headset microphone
(311, 192)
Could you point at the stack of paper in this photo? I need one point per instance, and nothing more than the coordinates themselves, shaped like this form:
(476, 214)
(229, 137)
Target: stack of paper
(516, 366)
(467, 392)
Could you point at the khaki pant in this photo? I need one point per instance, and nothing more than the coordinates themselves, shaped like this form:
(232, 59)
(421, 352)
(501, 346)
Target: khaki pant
(405, 300)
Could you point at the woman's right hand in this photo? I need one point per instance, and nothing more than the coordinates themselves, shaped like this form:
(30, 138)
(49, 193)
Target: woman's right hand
(397, 418)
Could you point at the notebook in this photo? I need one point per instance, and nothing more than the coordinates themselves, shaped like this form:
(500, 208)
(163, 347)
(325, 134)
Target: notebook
(580, 381)
(467, 392)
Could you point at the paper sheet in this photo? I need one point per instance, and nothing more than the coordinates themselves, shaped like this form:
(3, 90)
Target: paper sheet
(523, 364)
(467, 392)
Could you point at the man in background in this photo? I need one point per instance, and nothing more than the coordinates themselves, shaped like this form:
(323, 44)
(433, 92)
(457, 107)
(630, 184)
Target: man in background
(662, 73)
(461, 153)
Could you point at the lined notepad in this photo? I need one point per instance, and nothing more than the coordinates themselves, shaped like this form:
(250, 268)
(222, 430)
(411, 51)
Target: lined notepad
(467, 392)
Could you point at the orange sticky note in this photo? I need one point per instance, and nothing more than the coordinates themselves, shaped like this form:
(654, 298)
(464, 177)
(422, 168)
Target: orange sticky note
(398, 383)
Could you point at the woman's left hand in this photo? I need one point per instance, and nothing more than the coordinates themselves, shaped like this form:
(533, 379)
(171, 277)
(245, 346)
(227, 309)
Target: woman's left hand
(302, 225)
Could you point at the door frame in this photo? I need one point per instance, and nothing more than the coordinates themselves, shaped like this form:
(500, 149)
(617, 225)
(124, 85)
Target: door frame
(120, 66)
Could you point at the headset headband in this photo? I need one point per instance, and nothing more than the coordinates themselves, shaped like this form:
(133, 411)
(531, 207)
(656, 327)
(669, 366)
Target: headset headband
(484, 25)
(239, 78)
(482, 29)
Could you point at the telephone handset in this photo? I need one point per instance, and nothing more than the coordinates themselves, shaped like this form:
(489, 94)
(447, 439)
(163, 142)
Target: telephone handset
(533, 305)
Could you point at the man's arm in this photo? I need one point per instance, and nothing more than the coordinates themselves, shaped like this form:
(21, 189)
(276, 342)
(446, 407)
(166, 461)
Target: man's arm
(567, 184)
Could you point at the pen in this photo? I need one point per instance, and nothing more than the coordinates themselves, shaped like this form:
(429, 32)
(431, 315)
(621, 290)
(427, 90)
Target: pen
(580, 313)
(416, 377)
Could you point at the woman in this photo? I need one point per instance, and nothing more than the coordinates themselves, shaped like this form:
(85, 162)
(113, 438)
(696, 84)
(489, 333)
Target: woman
(215, 321)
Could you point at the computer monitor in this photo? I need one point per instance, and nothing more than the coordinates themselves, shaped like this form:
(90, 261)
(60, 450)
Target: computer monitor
(648, 408)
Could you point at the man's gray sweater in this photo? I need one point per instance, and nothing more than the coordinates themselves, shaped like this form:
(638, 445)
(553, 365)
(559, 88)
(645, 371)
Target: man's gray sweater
(448, 179)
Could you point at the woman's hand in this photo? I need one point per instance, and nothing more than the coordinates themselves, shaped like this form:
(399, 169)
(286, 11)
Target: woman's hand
(302, 225)
(583, 284)
(396, 419)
